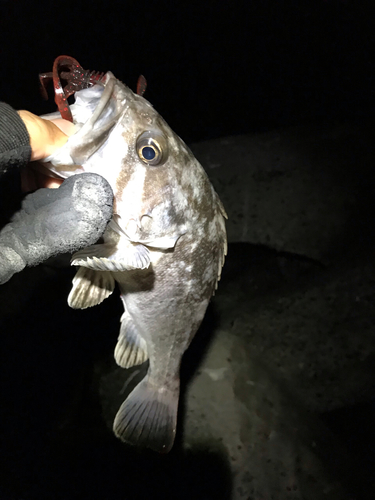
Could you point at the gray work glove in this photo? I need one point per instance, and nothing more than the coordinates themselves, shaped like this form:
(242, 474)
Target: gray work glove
(54, 221)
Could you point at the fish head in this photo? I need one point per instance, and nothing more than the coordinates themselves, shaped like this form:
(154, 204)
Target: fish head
(151, 199)
(160, 188)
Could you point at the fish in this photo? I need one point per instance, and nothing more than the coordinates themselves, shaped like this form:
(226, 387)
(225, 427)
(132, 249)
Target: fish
(164, 247)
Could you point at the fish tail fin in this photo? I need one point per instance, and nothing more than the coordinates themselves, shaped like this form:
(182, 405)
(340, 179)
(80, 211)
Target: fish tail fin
(148, 416)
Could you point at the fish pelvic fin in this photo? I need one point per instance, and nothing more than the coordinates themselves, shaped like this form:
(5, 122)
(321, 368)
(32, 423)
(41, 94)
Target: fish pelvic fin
(131, 348)
(148, 417)
(107, 257)
(90, 288)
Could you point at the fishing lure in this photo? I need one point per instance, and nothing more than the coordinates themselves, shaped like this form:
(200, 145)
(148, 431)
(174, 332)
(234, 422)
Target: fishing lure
(67, 68)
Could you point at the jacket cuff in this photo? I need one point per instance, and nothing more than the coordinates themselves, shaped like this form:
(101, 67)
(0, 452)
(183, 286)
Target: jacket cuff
(14, 139)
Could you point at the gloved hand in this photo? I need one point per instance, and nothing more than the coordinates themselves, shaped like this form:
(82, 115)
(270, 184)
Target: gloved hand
(53, 221)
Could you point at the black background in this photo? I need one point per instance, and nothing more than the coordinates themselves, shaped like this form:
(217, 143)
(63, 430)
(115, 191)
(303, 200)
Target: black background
(213, 68)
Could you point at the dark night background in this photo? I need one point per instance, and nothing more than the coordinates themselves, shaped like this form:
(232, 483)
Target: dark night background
(213, 69)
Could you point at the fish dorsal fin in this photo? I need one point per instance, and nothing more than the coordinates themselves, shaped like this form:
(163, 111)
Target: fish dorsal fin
(221, 206)
(131, 348)
(90, 288)
(223, 242)
(109, 257)
(223, 249)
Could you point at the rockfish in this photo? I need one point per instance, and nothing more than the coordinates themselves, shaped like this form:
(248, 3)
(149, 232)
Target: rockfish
(165, 246)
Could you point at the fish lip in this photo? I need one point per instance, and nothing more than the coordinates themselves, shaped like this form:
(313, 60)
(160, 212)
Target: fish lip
(103, 101)
(88, 134)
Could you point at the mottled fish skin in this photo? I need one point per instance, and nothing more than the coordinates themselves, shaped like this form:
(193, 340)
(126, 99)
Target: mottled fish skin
(165, 248)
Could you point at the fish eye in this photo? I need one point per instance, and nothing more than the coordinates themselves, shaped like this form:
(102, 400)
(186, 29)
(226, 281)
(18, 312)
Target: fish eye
(152, 148)
(148, 153)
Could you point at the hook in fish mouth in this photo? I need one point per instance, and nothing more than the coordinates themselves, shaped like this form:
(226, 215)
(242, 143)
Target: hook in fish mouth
(67, 68)
(76, 77)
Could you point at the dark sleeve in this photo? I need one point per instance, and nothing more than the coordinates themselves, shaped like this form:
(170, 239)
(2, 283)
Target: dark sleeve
(15, 150)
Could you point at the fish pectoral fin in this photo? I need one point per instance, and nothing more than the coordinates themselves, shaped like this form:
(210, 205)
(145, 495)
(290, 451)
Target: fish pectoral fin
(107, 257)
(131, 348)
(148, 416)
(90, 288)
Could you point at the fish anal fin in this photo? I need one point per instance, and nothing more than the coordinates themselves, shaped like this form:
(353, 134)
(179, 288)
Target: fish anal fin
(148, 417)
(131, 348)
(90, 288)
